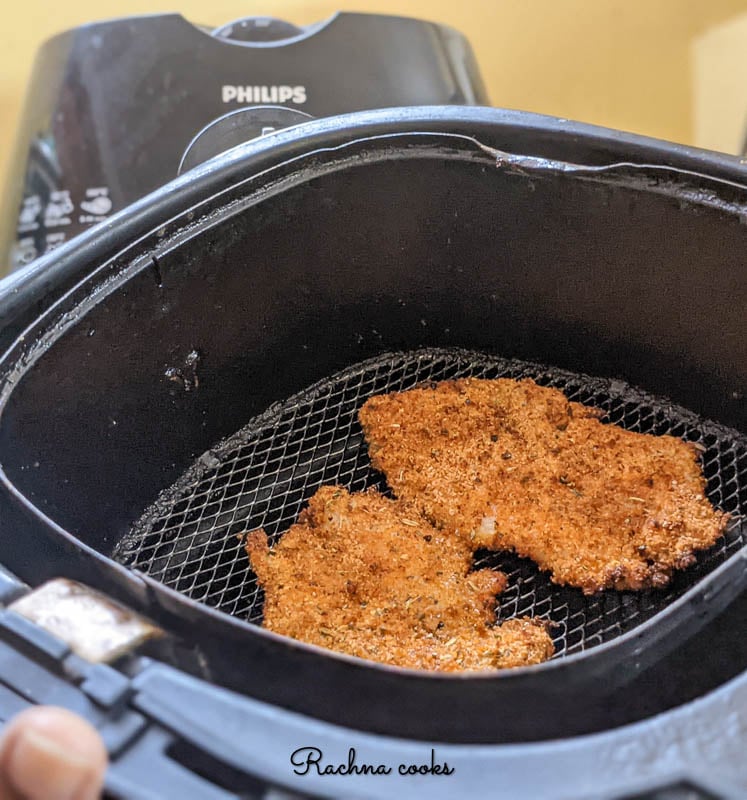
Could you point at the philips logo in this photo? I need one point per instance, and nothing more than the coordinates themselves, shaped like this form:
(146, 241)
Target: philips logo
(264, 94)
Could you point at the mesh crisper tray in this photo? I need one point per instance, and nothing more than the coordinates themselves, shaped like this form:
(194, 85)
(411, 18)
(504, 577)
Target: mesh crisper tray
(263, 475)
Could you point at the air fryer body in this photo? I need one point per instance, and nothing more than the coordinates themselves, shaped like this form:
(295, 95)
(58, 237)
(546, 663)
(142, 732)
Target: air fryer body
(116, 109)
(284, 261)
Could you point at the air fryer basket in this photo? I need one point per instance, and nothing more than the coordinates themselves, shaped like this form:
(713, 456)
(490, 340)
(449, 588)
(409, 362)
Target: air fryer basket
(191, 538)
(387, 240)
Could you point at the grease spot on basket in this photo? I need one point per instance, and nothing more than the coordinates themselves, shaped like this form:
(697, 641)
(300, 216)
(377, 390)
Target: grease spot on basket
(186, 375)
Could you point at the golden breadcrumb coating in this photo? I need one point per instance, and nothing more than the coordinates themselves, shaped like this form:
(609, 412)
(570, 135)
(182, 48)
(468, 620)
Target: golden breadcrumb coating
(365, 575)
(510, 465)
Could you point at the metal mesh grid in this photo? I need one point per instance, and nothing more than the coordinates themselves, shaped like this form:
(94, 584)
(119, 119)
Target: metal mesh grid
(264, 474)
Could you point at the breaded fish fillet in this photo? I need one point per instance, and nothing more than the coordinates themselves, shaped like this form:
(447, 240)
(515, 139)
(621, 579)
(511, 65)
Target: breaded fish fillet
(511, 465)
(364, 575)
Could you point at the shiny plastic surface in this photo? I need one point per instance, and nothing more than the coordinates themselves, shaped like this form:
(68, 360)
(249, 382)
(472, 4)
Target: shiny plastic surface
(113, 106)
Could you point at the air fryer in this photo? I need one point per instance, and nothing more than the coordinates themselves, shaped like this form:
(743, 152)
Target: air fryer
(194, 369)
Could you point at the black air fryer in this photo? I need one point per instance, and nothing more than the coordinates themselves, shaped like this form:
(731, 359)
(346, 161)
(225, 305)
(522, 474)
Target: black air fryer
(116, 109)
(191, 368)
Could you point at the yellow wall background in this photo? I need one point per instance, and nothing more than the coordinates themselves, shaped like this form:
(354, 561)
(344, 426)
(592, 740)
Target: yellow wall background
(622, 63)
(720, 86)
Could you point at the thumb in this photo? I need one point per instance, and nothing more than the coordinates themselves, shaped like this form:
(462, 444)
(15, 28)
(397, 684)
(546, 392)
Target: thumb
(49, 753)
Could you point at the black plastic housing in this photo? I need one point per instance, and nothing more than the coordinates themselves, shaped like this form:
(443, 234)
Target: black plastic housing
(114, 106)
(292, 257)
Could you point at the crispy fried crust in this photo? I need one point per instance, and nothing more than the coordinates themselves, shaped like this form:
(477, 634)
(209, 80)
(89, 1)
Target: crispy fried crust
(364, 575)
(511, 465)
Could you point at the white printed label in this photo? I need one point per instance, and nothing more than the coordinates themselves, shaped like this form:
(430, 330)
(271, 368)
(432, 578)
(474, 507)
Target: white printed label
(58, 209)
(28, 218)
(24, 252)
(264, 95)
(53, 240)
(96, 205)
